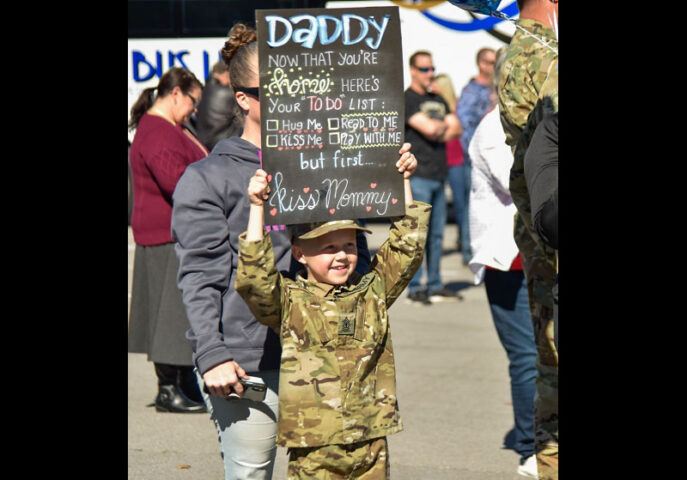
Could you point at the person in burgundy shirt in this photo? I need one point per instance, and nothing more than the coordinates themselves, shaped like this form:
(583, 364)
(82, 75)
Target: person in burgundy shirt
(161, 150)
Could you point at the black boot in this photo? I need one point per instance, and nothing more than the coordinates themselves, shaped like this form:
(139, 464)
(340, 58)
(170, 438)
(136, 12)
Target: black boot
(170, 396)
(171, 399)
(188, 383)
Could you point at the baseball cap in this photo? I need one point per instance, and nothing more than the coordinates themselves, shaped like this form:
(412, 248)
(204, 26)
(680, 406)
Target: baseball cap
(305, 231)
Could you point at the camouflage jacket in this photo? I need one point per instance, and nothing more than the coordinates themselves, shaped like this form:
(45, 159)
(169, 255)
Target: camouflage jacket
(522, 74)
(337, 381)
(524, 71)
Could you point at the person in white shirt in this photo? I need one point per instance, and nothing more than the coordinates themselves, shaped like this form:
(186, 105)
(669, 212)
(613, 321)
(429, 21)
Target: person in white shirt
(496, 262)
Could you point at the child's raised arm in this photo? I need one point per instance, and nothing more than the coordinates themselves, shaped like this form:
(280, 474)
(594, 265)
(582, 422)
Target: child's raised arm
(258, 192)
(407, 165)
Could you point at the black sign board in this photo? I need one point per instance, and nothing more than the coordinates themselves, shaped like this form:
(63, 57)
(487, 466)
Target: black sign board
(332, 112)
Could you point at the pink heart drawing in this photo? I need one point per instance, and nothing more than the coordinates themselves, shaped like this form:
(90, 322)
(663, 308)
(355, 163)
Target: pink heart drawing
(373, 185)
(306, 189)
(365, 129)
(332, 210)
(273, 212)
(394, 200)
(368, 208)
(280, 148)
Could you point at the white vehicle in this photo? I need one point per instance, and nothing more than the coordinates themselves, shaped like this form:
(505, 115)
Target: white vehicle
(191, 33)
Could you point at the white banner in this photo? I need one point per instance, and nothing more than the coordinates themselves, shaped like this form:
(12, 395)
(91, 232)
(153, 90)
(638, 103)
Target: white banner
(448, 32)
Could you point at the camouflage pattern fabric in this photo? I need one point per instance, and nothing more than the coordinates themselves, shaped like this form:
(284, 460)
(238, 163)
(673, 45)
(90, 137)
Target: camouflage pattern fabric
(367, 460)
(549, 90)
(337, 378)
(543, 272)
(305, 231)
(524, 73)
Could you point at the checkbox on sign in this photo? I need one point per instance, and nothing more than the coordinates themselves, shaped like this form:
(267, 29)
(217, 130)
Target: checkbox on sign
(272, 140)
(333, 123)
(334, 138)
(272, 125)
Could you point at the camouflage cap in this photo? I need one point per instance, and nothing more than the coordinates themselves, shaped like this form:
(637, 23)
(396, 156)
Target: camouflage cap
(305, 231)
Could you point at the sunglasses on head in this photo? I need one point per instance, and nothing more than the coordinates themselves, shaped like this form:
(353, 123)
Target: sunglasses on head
(255, 91)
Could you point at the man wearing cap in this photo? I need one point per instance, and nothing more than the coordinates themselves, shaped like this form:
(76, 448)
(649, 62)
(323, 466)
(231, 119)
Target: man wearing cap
(337, 387)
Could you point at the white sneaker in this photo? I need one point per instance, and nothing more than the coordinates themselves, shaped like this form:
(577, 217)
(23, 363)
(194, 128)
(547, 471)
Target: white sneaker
(529, 467)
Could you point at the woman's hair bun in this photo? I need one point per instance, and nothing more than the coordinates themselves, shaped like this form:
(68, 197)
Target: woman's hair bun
(239, 35)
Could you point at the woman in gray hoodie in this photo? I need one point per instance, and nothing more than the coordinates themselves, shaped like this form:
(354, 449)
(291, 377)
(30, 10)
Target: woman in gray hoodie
(211, 209)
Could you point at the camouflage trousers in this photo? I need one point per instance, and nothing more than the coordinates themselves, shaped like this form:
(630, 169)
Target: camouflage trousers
(367, 460)
(540, 273)
(545, 396)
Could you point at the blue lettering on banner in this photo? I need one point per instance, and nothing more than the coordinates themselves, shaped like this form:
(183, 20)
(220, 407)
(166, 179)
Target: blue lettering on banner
(319, 27)
(173, 57)
(144, 69)
(476, 24)
(138, 58)
(206, 65)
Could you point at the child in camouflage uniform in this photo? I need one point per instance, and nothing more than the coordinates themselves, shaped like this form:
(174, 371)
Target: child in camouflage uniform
(337, 387)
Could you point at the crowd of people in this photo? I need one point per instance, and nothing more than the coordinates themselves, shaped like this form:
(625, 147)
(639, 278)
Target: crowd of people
(216, 302)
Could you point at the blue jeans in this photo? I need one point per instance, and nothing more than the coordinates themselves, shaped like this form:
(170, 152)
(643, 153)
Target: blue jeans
(431, 192)
(459, 178)
(247, 430)
(510, 309)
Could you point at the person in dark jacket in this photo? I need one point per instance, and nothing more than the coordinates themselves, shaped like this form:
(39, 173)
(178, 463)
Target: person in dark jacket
(541, 174)
(218, 115)
(211, 209)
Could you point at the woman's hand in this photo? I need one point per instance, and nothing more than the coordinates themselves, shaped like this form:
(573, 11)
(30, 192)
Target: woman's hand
(223, 379)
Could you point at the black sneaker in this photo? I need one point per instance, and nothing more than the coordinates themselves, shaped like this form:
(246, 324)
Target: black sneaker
(419, 297)
(445, 295)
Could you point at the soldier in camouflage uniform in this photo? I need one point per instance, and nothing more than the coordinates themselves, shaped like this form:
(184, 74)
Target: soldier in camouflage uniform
(529, 60)
(337, 386)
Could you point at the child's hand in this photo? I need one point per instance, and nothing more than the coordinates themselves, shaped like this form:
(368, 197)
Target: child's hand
(258, 190)
(407, 163)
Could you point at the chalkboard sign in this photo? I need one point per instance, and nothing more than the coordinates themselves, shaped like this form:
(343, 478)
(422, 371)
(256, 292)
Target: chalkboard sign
(332, 112)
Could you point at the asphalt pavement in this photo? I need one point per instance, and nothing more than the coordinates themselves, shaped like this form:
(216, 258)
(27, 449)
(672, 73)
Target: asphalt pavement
(452, 386)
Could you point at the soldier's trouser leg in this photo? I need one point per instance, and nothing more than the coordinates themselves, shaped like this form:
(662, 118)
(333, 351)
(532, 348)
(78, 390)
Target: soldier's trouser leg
(540, 272)
(368, 460)
(546, 395)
